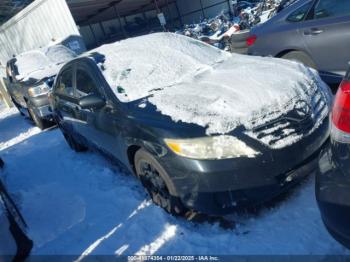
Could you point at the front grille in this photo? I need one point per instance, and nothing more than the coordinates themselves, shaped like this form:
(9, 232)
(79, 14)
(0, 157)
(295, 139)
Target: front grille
(295, 124)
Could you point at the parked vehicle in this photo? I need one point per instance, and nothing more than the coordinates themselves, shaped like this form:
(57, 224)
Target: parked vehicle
(14, 242)
(203, 129)
(30, 76)
(332, 183)
(314, 32)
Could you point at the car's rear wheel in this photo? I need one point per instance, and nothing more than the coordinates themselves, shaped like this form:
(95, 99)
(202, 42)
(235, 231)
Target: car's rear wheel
(153, 178)
(38, 121)
(300, 57)
(73, 144)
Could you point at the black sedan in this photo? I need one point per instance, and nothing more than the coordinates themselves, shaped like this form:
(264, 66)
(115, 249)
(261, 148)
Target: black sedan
(333, 179)
(203, 129)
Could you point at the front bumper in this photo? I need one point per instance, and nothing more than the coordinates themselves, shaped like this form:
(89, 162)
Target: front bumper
(223, 186)
(41, 106)
(333, 197)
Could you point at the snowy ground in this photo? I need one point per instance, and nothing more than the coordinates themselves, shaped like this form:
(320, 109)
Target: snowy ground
(81, 204)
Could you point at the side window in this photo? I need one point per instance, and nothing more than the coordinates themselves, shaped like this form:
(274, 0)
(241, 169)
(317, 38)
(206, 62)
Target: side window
(65, 83)
(332, 8)
(300, 14)
(86, 85)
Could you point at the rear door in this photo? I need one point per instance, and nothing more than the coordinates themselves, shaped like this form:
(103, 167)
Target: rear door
(96, 125)
(326, 34)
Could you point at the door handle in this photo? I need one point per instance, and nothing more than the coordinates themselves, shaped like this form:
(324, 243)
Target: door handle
(313, 31)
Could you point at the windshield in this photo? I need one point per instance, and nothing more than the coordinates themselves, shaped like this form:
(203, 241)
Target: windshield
(29, 62)
(136, 67)
(59, 54)
(42, 62)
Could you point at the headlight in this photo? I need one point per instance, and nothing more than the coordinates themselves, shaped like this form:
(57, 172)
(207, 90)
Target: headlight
(216, 147)
(38, 90)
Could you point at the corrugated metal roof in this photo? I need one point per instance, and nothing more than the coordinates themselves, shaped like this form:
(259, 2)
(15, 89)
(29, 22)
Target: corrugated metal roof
(91, 11)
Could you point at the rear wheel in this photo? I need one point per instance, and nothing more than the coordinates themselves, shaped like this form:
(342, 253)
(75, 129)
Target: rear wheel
(300, 57)
(153, 178)
(73, 144)
(38, 121)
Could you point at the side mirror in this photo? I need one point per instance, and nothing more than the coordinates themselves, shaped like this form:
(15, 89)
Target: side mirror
(92, 102)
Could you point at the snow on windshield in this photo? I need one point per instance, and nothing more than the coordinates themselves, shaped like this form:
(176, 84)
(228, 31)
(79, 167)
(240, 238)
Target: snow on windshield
(195, 83)
(59, 54)
(136, 67)
(44, 62)
(31, 61)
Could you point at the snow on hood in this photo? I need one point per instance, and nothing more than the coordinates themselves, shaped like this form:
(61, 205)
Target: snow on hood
(193, 82)
(44, 62)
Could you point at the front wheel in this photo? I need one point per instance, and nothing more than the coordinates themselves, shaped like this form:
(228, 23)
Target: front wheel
(153, 178)
(19, 108)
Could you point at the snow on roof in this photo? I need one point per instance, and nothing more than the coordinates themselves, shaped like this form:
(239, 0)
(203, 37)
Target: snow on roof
(193, 82)
(44, 62)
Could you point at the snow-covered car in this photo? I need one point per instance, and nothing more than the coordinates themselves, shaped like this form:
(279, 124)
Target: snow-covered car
(203, 129)
(30, 77)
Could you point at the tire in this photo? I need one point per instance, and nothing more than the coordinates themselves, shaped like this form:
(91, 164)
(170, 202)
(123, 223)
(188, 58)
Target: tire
(300, 57)
(38, 121)
(17, 106)
(153, 177)
(73, 144)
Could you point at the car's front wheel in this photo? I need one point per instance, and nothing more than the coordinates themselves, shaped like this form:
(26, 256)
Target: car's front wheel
(153, 178)
(19, 108)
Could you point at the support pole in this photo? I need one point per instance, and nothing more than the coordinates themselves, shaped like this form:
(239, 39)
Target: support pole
(4, 94)
(120, 21)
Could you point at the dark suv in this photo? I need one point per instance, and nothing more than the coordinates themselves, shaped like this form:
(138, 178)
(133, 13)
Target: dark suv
(314, 32)
(30, 77)
(333, 179)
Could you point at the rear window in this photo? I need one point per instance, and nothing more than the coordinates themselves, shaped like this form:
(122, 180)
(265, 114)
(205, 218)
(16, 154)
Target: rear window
(300, 13)
(59, 54)
(332, 8)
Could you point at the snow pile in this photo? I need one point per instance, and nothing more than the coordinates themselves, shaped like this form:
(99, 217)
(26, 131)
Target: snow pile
(196, 83)
(44, 62)
(80, 204)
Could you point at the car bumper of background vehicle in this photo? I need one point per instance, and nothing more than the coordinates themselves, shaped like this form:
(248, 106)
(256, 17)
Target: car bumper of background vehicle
(333, 197)
(43, 112)
(41, 106)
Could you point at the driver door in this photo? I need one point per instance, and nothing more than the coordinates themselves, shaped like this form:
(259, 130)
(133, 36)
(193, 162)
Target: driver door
(95, 124)
(326, 35)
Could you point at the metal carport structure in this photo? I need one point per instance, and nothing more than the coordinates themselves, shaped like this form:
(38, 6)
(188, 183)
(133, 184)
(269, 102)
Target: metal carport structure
(102, 21)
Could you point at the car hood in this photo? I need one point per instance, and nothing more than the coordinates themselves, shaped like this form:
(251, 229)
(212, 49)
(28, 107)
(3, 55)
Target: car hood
(239, 91)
